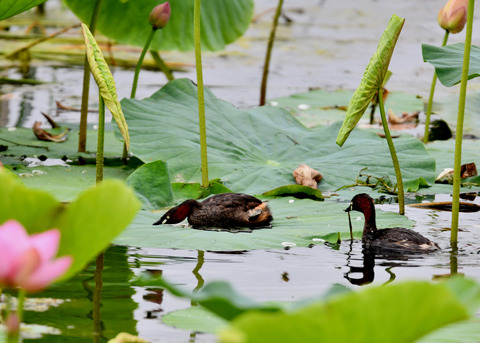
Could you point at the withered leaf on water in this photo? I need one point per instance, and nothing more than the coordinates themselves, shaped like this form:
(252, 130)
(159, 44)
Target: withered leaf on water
(466, 170)
(43, 135)
(307, 176)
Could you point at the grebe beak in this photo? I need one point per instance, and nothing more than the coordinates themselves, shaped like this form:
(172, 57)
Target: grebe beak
(349, 208)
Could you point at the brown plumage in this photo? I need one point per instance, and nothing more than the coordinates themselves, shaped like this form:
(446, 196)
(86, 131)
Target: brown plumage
(397, 239)
(222, 210)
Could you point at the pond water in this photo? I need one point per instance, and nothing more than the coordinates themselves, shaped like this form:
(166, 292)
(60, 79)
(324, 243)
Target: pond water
(328, 45)
(284, 275)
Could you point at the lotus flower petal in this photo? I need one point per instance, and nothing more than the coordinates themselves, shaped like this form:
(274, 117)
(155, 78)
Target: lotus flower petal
(46, 243)
(46, 274)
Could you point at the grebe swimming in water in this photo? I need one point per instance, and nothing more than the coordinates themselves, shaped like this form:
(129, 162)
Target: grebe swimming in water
(222, 210)
(396, 239)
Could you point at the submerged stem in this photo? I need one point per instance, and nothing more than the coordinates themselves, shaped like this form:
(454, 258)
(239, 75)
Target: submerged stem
(393, 153)
(460, 117)
(430, 98)
(200, 92)
(271, 39)
(82, 136)
(100, 139)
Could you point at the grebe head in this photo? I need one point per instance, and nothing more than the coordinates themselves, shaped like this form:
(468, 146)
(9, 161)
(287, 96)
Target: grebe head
(361, 202)
(178, 213)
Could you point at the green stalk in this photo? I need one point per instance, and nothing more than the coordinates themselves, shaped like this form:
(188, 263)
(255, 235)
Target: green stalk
(100, 139)
(135, 81)
(161, 64)
(393, 153)
(430, 98)
(460, 116)
(140, 62)
(82, 136)
(201, 99)
(271, 39)
(15, 336)
(97, 298)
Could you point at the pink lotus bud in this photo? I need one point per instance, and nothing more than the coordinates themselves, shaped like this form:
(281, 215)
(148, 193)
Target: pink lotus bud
(27, 261)
(160, 15)
(453, 16)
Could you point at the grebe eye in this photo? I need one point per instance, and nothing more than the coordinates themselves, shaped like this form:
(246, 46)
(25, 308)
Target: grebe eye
(168, 217)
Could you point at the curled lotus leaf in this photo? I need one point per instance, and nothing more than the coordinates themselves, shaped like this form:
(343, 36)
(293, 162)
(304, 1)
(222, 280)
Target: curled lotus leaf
(372, 78)
(106, 84)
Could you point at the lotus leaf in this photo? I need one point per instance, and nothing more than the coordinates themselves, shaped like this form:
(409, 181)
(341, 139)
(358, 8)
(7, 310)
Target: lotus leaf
(256, 150)
(127, 22)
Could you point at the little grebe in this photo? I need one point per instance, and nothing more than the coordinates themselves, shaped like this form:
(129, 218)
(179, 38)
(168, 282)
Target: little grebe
(397, 239)
(222, 210)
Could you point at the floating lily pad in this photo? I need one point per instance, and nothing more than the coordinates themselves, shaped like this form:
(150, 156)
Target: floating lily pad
(65, 182)
(21, 141)
(256, 150)
(320, 107)
(447, 108)
(301, 222)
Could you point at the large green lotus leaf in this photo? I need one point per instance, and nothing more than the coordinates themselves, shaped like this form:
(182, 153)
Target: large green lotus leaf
(22, 141)
(373, 78)
(401, 312)
(466, 332)
(301, 222)
(34, 209)
(9, 8)
(256, 150)
(127, 22)
(91, 222)
(448, 62)
(320, 107)
(151, 183)
(66, 182)
(87, 225)
(195, 318)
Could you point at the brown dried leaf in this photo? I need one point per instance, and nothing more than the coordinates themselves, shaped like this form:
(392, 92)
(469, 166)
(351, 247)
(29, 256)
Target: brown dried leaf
(468, 170)
(43, 135)
(405, 118)
(307, 176)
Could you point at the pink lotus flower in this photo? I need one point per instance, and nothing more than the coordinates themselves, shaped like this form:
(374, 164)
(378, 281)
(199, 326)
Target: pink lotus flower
(453, 16)
(28, 261)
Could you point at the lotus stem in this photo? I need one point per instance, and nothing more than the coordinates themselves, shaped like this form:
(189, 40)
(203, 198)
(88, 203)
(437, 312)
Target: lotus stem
(200, 92)
(140, 62)
(97, 298)
(393, 153)
(430, 98)
(459, 131)
(82, 136)
(101, 139)
(271, 39)
(14, 337)
(135, 82)
(161, 64)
